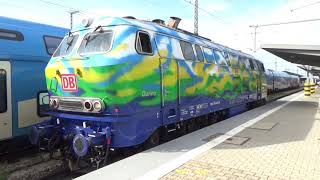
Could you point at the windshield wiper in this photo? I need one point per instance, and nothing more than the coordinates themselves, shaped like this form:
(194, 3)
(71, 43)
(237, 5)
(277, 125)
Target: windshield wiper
(69, 40)
(90, 37)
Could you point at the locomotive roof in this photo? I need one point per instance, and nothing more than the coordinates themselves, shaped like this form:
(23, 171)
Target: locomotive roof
(116, 21)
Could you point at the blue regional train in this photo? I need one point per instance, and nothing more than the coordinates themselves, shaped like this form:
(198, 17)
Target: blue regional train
(25, 49)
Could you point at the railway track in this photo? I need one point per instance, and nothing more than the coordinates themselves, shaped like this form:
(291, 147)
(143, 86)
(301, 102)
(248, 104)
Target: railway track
(30, 164)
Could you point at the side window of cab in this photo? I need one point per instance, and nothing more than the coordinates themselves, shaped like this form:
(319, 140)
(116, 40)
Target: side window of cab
(143, 43)
(219, 58)
(187, 50)
(199, 53)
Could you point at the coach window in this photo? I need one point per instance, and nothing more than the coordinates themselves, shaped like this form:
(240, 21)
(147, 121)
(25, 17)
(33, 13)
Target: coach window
(3, 91)
(187, 50)
(11, 35)
(199, 53)
(219, 58)
(143, 43)
(208, 54)
(51, 43)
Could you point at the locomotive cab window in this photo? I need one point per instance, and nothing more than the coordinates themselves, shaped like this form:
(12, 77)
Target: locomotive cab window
(51, 43)
(187, 50)
(66, 45)
(143, 43)
(199, 53)
(3, 91)
(96, 42)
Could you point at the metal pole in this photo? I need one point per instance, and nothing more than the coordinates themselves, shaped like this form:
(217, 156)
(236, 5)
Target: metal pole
(255, 39)
(71, 17)
(196, 6)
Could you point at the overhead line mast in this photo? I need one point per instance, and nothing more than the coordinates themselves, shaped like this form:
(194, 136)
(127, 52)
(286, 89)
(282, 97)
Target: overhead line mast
(196, 6)
(276, 24)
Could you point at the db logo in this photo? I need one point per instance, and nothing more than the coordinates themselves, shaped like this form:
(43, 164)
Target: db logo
(69, 82)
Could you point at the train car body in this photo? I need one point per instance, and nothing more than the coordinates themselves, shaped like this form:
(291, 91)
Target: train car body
(279, 81)
(25, 49)
(119, 81)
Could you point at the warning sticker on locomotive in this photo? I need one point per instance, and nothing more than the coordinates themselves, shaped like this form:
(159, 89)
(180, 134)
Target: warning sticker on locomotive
(69, 82)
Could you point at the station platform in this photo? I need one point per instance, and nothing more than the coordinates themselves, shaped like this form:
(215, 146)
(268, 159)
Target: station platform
(280, 140)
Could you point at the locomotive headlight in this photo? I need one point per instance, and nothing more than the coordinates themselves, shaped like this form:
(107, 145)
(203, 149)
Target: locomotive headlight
(97, 106)
(88, 105)
(54, 103)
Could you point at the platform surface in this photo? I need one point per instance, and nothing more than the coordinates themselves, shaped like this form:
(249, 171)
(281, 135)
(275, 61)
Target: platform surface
(280, 140)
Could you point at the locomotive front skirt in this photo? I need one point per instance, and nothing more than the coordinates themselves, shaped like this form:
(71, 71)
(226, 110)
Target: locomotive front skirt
(117, 82)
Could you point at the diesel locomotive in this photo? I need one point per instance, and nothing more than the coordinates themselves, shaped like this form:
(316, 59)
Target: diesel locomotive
(122, 82)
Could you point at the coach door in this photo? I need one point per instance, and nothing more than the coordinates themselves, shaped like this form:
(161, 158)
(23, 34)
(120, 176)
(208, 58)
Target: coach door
(5, 100)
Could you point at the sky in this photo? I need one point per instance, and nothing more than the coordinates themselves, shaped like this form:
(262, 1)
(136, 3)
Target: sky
(223, 21)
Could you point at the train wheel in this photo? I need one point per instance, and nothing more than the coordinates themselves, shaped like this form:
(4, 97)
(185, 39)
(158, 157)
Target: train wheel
(53, 144)
(73, 164)
(213, 118)
(204, 121)
(191, 126)
(153, 140)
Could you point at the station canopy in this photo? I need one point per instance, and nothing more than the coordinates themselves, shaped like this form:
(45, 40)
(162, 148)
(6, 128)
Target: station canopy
(295, 74)
(300, 54)
(315, 71)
